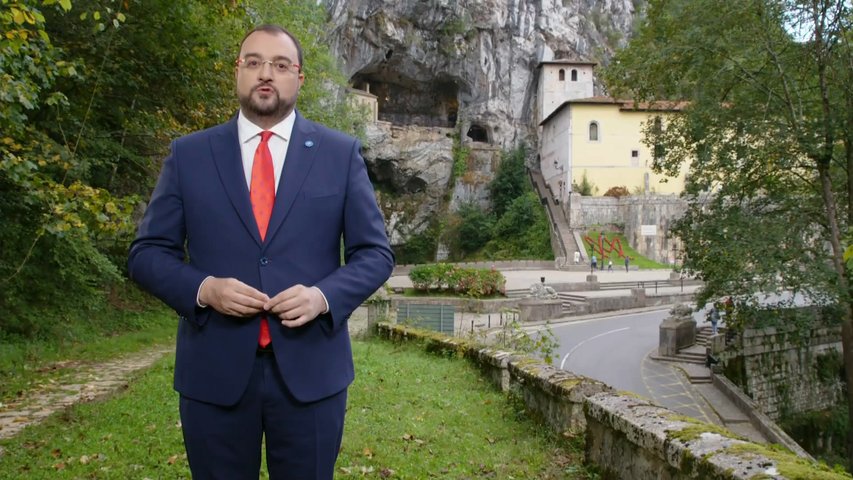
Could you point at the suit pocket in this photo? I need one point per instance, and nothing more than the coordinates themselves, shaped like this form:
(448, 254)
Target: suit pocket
(320, 193)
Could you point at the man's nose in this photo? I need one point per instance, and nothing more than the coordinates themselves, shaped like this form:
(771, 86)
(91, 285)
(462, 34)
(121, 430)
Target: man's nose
(265, 73)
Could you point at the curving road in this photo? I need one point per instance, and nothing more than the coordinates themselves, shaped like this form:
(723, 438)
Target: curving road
(615, 349)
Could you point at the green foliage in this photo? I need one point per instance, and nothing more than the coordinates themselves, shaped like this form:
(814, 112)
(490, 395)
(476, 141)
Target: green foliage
(522, 231)
(469, 229)
(510, 180)
(460, 157)
(585, 188)
(90, 97)
(761, 212)
(821, 433)
(407, 411)
(541, 343)
(444, 277)
(421, 247)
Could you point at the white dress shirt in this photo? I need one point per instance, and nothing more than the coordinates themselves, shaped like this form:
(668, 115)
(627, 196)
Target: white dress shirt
(249, 136)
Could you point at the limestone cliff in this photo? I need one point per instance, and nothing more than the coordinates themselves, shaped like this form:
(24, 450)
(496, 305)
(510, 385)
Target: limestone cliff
(467, 66)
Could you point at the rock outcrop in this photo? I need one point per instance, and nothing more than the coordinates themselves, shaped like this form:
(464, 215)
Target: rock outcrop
(466, 66)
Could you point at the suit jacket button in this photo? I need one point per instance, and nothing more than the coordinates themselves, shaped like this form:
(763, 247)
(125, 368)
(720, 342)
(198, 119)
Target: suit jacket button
(265, 261)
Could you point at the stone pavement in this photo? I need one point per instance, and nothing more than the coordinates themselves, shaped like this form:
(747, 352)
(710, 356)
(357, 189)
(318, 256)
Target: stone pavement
(669, 382)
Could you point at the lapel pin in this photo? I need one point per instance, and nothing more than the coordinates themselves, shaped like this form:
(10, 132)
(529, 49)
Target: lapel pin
(309, 143)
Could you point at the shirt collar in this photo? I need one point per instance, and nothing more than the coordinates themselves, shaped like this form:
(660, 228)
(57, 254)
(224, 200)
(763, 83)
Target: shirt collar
(246, 130)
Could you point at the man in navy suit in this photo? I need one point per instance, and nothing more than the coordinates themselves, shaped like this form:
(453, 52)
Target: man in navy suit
(242, 238)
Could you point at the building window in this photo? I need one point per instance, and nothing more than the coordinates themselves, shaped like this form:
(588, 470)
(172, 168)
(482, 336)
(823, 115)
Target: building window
(562, 75)
(593, 131)
(574, 75)
(635, 158)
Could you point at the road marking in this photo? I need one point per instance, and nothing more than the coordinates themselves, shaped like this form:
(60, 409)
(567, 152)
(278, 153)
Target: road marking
(563, 363)
(603, 316)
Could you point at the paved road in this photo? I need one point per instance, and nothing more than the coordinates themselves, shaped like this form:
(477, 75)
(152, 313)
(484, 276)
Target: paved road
(615, 349)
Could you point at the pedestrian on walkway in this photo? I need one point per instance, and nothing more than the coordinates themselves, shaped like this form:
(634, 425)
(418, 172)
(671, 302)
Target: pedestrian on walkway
(609, 265)
(714, 317)
(593, 262)
(627, 261)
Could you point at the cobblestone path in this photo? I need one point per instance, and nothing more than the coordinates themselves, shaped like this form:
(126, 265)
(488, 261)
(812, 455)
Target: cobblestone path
(84, 383)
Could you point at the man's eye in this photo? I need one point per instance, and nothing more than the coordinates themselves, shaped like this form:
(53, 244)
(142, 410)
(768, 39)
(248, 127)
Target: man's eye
(282, 66)
(253, 63)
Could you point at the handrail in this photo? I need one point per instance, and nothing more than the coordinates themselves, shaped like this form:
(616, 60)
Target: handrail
(553, 222)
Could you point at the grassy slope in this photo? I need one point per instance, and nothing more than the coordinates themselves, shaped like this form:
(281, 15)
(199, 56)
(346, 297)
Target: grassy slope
(612, 237)
(411, 415)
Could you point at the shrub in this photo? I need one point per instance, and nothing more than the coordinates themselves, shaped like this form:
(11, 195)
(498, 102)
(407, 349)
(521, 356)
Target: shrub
(443, 277)
(618, 192)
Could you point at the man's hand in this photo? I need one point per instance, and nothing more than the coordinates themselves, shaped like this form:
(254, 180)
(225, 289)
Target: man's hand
(297, 305)
(232, 297)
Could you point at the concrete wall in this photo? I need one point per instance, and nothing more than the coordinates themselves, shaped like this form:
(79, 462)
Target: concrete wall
(626, 436)
(632, 212)
(780, 368)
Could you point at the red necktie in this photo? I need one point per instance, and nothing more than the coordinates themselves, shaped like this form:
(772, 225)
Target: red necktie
(262, 194)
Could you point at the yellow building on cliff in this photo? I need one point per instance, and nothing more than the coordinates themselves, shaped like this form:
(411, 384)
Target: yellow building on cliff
(595, 136)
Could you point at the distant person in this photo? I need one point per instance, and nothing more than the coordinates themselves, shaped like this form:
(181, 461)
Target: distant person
(609, 265)
(714, 317)
(593, 262)
(627, 262)
(577, 257)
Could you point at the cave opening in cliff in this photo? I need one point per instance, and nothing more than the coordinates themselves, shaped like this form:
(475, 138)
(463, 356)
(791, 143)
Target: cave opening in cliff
(404, 101)
(478, 133)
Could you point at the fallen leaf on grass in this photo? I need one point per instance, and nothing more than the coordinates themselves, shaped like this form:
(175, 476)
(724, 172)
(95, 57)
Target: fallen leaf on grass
(386, 472)
(56, 453)
(59, 466)
(367, 452)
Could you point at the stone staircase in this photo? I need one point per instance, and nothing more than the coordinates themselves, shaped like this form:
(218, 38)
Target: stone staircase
(559, 223)
(693, 357)
(572, 304)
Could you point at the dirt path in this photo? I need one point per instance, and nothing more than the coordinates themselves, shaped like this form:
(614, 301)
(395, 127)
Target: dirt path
(87, 382)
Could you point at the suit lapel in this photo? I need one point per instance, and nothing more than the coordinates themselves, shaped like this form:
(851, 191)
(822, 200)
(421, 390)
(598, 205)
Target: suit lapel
(225, 146)
(301, 149)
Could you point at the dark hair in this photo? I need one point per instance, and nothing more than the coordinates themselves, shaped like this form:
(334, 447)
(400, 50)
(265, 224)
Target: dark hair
(276, 30)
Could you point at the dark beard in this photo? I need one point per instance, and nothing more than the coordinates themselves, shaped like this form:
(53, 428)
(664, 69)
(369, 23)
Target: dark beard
(275, 109)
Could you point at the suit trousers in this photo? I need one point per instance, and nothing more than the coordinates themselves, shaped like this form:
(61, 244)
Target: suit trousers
(302, 439)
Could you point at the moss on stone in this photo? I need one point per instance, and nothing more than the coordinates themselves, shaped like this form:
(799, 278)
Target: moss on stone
(789, 465)
(695, 429)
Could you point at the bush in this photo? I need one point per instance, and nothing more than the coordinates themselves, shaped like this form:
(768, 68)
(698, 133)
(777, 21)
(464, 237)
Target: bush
(471, 282)
(618, 192)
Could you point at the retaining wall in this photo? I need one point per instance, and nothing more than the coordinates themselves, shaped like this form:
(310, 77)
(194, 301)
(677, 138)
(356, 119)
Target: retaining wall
(626, 436)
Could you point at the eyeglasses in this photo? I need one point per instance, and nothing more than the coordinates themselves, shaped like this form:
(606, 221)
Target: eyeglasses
(279, 66)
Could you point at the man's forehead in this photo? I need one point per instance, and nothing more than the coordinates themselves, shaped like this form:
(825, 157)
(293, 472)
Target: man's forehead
(261, 40)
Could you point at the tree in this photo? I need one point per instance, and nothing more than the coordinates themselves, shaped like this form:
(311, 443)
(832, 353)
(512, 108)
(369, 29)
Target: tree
(768, 136)
(510, 180)
(91, 93)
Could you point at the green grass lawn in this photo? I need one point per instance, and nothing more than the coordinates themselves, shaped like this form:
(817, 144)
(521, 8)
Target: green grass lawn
(611, 248)
(411, 415)
(25, 363)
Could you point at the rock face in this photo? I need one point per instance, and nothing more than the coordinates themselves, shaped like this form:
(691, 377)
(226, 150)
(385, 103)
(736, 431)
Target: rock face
(468, 66)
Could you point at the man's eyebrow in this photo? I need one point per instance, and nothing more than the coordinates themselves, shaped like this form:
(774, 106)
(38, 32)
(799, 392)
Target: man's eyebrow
(277, 57)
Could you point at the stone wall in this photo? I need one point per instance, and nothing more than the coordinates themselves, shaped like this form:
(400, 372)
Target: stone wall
(631, 213)
(779, 369)
(626, 436)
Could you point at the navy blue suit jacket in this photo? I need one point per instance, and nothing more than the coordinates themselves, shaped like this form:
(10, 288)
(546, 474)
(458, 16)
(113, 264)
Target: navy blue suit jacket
(199, 222)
